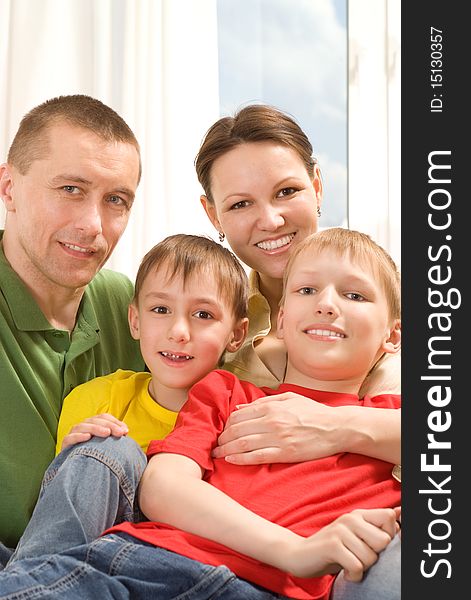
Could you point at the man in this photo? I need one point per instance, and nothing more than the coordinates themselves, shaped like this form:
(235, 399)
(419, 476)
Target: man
(68, 187)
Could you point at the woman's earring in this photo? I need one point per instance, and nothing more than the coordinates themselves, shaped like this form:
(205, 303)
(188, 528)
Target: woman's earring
(318, 211)
(222, 237)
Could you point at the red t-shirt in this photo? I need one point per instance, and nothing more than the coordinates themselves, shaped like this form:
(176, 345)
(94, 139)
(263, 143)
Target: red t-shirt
(303, 497)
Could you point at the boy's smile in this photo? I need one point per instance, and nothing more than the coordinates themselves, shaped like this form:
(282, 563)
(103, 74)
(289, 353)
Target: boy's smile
(334, 321)
(183, 331)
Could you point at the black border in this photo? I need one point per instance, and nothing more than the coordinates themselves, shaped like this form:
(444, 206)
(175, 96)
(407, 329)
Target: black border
(423, 132)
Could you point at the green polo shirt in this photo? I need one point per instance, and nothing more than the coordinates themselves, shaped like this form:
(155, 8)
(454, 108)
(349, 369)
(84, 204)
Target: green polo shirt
(39, 365)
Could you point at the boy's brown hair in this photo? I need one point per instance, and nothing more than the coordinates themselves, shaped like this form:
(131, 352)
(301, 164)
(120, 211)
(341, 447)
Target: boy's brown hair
(361, 249)
(192, 255)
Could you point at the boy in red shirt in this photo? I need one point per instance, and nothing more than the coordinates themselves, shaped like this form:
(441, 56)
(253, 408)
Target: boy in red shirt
(223, 531)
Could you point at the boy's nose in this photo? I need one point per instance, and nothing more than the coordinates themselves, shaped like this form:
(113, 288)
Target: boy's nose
(179, 331)
(326, 303)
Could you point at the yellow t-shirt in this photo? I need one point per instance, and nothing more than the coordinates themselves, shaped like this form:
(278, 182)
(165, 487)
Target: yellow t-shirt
(123, 394)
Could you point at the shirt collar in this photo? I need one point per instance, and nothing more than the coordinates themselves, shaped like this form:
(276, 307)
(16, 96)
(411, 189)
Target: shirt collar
(24, 309)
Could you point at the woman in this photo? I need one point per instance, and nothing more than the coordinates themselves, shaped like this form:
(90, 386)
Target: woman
(263, 193)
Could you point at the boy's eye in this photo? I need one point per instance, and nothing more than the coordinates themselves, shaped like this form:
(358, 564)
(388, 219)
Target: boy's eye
(355, 296)
(240, 204)
(203, 314)
(289, 191)
(160, 310)
(307, 291)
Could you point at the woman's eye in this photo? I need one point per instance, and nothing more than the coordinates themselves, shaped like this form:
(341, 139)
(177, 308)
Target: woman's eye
(203, 314)
(286, 192)
(241, 204)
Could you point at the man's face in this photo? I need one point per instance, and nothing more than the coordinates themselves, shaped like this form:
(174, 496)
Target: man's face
(67, 213)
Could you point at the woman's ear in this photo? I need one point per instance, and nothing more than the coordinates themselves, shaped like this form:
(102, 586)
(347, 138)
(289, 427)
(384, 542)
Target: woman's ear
(393, 342)
(210, 210)
(133, 320)
(239, 334)
(317, 185)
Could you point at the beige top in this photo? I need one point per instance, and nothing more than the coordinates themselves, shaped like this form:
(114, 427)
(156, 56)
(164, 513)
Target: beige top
(246, 363)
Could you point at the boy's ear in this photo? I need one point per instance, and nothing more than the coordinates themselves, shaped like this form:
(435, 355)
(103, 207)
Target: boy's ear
(210, 210)
(239, 334)
(393, 343)
(133, 320)
(279, 325)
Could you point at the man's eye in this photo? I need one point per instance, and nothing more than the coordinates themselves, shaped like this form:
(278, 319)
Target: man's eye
(117, 201)
(70, 189)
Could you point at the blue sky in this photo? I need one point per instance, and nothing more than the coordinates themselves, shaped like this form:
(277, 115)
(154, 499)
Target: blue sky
(293, 54)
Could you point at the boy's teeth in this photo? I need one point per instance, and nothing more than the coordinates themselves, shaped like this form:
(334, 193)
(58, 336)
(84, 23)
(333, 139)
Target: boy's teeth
(325, 332)
(273, 244)
(176, 356)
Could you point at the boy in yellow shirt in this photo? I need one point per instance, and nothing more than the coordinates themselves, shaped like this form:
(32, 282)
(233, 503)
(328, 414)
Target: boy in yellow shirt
(189, 308)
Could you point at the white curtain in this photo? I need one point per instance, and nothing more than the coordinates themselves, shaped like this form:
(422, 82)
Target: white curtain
(153, 61)
(374, 121)
(156, 63)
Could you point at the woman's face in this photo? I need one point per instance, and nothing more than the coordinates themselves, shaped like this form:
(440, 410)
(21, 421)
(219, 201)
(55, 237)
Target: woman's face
(264, 202)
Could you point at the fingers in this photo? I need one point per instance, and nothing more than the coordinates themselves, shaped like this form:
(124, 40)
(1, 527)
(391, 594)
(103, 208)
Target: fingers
(74, 438)
(102, 425)
(382, 518)
(243, 442)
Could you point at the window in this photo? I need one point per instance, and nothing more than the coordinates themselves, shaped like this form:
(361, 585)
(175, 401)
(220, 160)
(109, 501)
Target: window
(292, 55)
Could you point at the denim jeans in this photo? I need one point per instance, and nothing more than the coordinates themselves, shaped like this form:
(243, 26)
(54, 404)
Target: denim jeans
(119, 566)
(86, 489)
(382, 581)
(116, 567)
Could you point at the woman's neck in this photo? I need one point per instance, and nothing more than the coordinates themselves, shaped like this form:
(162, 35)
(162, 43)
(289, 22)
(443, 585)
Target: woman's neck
(272, 290)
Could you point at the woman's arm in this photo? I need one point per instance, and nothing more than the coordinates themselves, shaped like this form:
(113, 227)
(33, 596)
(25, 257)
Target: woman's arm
(291, 428)
(172, 491)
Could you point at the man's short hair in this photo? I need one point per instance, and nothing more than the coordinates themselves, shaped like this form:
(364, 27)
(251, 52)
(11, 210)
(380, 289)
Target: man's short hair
(31, 141)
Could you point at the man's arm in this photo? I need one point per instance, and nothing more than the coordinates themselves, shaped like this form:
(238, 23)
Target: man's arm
(172, 491)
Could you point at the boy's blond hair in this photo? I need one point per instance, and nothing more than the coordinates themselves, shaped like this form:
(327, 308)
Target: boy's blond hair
(361, 249)
(192, 256)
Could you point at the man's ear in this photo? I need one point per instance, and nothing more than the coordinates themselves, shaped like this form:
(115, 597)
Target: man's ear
(279, 325)
(6, 184)
(133, 320)
(239, 334)
(210, 210)
(392, 344)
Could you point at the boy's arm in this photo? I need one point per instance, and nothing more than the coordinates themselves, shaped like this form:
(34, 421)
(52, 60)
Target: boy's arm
(172, 491)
